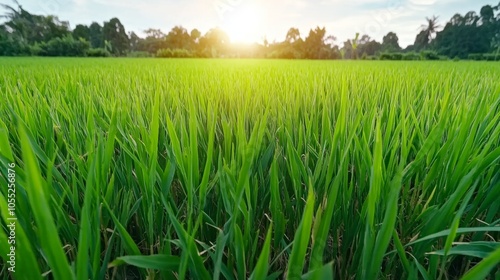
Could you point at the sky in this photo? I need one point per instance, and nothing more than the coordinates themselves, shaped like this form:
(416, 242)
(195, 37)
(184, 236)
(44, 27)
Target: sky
(254, 20)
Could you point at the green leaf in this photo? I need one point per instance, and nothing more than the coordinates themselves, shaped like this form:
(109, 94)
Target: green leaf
(301, 240)
(324, 272)
(38, 199)
(481, 270)
(262, 267)
(159, 262)
(479, 249)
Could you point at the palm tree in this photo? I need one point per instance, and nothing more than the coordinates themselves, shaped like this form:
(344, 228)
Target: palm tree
(431, 28)
(354, 45)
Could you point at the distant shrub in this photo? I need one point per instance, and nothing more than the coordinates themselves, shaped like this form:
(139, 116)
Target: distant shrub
(182, 53)
(66, 46)
(12, 47)
(484, 56)
(475, 56)
(391, 56)
(205, 53)
(36, 49)
(138, 54)
(456, 58)
(397, 56)
(164, 53)
(175, 53)
(429, 55)
(98, 52)
(491, 57)
(285, 53)
(385, 56)
(411, 56)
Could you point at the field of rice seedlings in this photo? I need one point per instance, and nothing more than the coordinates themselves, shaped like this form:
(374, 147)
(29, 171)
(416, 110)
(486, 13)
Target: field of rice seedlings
(249, 169)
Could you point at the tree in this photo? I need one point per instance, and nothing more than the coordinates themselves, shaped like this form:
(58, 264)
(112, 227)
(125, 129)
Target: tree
(421, 41)
(66, 46)
(424, 38)
(178, 38)
(489, 27)
(154, 41)
(342, 53)
(469, 34)
(114, 32)
(81, 31)
(292, 35)
(195, 35)
(457, 20)
(96, 36)
(214, 43)
(347, 51)
(28, 28)
(471, 18)
(368, 46)
(354, 46)
(134, 41)
(22, 31)
(314, 44)
(154, 33)
(431, 27)
(359, 45)
(487, 14)
(496, 34)
(390, 42)
(330, 40)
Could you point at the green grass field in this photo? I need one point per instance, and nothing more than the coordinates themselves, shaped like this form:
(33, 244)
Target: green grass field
(261, 169)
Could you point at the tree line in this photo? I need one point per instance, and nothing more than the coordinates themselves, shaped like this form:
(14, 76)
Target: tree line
(469, 36)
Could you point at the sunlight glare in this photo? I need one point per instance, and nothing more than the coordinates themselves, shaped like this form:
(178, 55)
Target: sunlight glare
(243, 25)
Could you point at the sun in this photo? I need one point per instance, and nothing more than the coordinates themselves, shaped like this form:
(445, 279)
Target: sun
(243, 24)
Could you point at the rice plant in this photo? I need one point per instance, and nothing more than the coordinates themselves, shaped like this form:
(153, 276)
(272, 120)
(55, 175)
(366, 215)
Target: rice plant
(260, 169)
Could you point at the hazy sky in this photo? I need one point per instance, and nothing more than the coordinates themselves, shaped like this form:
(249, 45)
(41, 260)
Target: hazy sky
(251, 20)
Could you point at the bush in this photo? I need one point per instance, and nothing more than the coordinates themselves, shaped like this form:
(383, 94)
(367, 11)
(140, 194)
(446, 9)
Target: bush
(98, 52)
(475, 56)
(36, 49)
(485, 56)
(138, 54)
(182, 53)
(164, 53)
(456, 58)
(411, 56)
(175, 53)
(391, 56)
(385, 56)
(397, 56)
(491, 57)
(285, 53)
(11, 47)
(66, 46)
(205, 53)
(429, 55)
